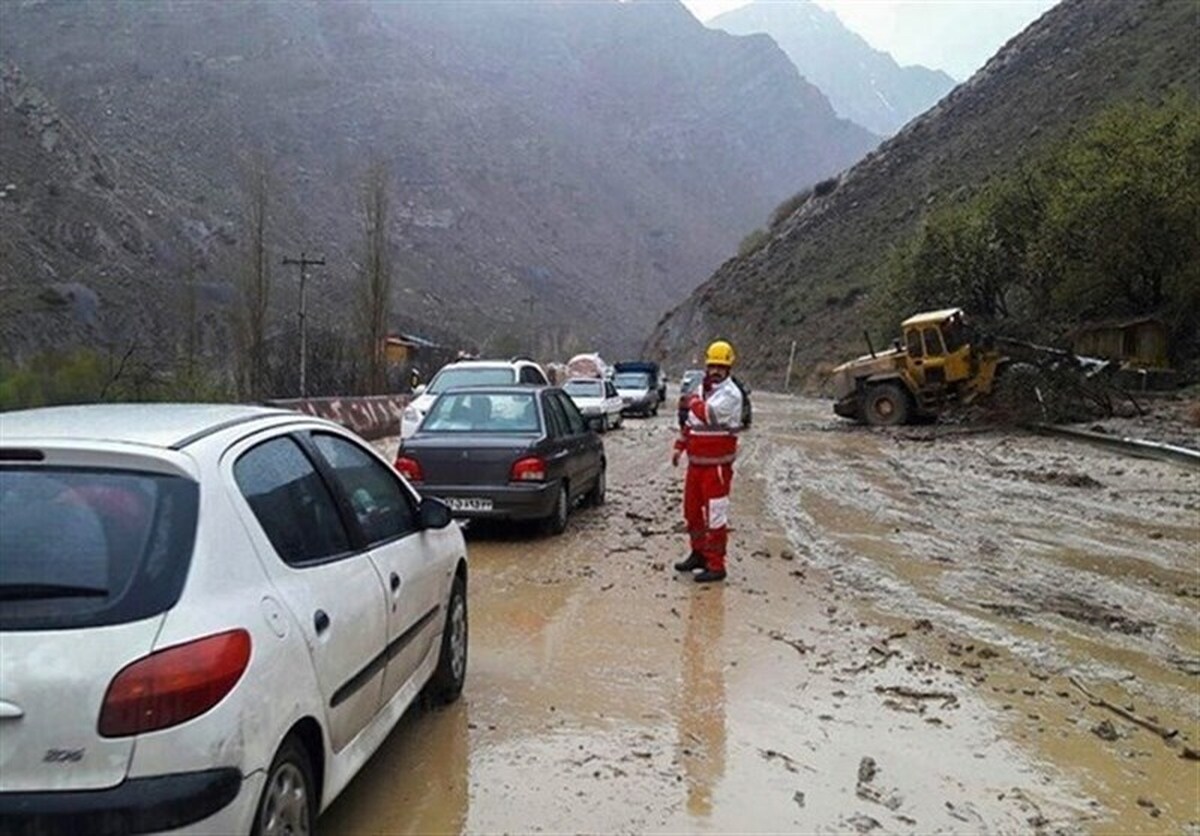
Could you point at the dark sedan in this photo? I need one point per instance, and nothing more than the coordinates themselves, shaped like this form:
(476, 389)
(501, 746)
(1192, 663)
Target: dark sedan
(506, 452)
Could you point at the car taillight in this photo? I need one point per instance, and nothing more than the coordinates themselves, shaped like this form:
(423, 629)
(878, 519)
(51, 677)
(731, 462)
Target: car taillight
(173, 685)
(529, 469)
(410, 469)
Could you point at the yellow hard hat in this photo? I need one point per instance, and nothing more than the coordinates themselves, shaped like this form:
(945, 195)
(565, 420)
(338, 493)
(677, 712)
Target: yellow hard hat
(719, 353)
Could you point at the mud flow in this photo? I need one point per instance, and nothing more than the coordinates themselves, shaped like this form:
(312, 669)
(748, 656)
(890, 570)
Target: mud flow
(922, 631)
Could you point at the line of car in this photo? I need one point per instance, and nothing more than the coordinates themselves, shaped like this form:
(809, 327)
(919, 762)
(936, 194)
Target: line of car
(212, 616)
(493, 447)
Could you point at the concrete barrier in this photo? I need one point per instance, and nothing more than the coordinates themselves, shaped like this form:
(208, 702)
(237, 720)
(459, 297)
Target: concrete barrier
(372, 417)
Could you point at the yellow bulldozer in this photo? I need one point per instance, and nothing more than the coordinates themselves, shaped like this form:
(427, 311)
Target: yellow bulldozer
(940, 360)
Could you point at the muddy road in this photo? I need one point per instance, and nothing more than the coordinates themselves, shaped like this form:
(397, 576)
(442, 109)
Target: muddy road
(915, 637)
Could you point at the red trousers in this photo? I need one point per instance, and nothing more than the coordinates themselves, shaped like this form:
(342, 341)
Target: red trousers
(706, 510)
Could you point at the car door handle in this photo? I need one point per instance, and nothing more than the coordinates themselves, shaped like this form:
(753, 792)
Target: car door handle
(321, 621)
(561, 454)
(395, 581)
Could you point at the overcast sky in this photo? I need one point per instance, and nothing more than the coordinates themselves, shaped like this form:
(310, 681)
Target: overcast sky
(957, 36)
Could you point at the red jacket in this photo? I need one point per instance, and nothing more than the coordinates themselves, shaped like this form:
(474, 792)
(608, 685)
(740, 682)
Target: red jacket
(709, 436)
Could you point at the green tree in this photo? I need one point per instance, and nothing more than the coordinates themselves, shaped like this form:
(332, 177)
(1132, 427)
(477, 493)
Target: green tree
(1121, 233)
(1108, 224)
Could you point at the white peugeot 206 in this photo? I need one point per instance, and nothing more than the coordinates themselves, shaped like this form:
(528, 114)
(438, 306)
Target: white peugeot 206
(210, 616)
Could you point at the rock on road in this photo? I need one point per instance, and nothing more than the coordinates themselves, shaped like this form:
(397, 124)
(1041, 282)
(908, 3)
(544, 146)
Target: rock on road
(894, 649)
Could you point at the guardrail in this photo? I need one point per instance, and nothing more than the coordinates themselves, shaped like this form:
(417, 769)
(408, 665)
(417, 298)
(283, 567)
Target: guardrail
(371, 416)
(1123, 444)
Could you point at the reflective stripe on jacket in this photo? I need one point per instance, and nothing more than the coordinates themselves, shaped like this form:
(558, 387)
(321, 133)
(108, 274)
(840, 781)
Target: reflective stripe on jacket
(710, 434)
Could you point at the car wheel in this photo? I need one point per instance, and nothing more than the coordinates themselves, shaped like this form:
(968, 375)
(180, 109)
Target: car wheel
(447, 682)
(886, 405)
(604, 423)
(289, 800)
(595, 497)
(556, 523)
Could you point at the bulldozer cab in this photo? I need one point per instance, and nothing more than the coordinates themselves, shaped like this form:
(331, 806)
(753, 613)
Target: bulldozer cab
(937, 349)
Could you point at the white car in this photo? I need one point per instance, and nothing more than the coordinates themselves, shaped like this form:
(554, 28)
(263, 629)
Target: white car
(210, 616)
(597, 400)
(469, 373)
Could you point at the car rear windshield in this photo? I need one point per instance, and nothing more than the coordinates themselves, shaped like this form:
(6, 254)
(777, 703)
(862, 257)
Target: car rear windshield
(448, 379)
(584, 388)
(475, 412)
(85, 547)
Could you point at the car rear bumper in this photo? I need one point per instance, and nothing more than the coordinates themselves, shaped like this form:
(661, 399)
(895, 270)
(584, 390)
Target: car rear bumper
(533, 501)
(138, 805)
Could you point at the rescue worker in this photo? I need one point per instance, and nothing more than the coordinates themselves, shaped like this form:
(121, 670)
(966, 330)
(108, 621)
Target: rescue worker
(709, 438)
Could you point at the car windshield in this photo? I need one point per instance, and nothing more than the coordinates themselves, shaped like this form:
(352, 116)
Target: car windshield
(83, 547)
(584, 388)
(483, 412)
(632, 380)
(453, 378)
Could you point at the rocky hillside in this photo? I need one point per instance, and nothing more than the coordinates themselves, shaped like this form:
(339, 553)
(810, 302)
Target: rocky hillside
(810, 279)
(863, 84)
(561, 170)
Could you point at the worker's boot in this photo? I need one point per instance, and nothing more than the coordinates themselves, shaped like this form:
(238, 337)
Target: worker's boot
(694, 561)
(709, 576)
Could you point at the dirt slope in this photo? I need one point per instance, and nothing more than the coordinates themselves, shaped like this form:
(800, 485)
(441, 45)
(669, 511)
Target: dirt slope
(809, 281)
(566, 168)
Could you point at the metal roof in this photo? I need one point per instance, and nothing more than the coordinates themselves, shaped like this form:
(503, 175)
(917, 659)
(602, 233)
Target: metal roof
(931, 317)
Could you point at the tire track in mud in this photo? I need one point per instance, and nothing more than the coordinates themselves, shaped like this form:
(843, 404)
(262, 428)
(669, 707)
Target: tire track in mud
(1033, 561)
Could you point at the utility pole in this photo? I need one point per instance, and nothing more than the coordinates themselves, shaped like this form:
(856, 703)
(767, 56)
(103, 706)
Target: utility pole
(303, 262)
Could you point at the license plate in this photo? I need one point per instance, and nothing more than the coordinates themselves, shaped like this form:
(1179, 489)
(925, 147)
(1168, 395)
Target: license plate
(471, 503)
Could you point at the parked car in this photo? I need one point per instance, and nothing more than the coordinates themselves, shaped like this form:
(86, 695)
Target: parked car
(638, 391)
(597, 400)
(211, 616)
(469, 373)
(510, 453)
(689, 385)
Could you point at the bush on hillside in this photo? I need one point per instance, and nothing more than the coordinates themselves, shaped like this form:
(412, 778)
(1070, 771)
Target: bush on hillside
(91, 376)
(786, 209)
(752, 242)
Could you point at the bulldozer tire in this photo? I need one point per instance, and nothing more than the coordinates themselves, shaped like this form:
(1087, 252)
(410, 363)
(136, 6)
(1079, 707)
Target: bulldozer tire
(886, 405)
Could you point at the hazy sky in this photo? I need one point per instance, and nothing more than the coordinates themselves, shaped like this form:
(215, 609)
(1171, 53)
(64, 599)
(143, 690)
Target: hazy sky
(957, 36)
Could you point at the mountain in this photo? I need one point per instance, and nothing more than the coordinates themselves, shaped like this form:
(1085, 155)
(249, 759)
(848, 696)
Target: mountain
(863, 84)
(810, 279)
(560, 169)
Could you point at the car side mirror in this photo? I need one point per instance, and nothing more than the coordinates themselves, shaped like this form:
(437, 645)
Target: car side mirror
(433, 513)
(419, 391)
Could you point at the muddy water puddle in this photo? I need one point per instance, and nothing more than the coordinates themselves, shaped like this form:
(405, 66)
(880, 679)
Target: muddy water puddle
(889, 654)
